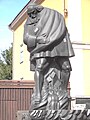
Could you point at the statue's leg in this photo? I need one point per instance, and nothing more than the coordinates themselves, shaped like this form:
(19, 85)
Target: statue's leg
(65, 74)
(65, 69)
(41, 65)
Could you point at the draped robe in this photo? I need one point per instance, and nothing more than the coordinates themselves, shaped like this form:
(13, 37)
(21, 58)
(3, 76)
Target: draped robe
(57, 43)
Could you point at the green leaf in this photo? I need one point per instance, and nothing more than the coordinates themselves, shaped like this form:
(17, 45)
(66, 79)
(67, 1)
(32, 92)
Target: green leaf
(6, 64)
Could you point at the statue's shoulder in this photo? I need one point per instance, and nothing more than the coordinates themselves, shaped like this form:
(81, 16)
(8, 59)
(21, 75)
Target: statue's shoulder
(29, 21)
(53, 10)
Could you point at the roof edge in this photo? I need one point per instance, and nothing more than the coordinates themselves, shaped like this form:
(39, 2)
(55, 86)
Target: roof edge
(22, 14)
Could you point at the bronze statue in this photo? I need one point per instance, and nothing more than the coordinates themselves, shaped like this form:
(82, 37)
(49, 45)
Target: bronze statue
(48, 42)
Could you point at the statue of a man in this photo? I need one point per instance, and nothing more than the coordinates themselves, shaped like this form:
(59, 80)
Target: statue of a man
(47, 40)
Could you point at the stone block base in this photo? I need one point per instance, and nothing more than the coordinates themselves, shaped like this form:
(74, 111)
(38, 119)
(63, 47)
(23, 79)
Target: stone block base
(22, 115)
(54, 115)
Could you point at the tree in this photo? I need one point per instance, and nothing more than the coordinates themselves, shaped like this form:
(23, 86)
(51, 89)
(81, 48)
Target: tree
(6, 64)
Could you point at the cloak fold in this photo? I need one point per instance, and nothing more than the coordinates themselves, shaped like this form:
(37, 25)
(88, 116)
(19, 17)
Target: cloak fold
(57, 42)
(52, 24)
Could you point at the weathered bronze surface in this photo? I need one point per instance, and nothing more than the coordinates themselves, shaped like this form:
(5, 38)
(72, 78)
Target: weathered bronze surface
(48, 42)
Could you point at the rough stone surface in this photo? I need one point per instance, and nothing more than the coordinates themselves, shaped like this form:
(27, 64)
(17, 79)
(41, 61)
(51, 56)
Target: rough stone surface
(54, 115)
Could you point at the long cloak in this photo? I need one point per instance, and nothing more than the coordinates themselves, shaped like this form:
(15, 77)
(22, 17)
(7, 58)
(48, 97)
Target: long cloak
(52, 24)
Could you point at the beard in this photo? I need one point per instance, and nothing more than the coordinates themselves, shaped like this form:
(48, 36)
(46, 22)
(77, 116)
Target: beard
(33, 15)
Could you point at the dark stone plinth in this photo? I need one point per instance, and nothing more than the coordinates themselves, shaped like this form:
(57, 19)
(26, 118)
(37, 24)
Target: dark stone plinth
(54, 115)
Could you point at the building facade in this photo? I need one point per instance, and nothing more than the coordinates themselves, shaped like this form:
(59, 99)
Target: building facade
(76, 13)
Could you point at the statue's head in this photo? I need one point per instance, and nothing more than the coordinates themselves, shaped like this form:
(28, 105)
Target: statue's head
(34, 9)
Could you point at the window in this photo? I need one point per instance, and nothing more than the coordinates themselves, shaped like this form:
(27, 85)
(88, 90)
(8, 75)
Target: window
(21, 53)
(21, 78)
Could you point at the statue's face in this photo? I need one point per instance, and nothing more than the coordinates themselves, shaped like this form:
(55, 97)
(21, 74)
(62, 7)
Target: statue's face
(32, 12)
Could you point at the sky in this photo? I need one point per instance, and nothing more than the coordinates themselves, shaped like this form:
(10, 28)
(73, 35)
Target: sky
(8, 11)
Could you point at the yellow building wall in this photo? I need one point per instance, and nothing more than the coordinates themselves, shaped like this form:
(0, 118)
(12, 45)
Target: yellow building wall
(54, 4)
(16, 53)
(21, 70)
(86, 39)
(57, 5)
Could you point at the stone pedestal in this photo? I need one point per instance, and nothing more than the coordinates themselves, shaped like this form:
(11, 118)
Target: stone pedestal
(54, 115)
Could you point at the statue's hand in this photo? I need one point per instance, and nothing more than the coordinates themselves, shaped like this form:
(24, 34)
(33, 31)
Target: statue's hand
(42, 39)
